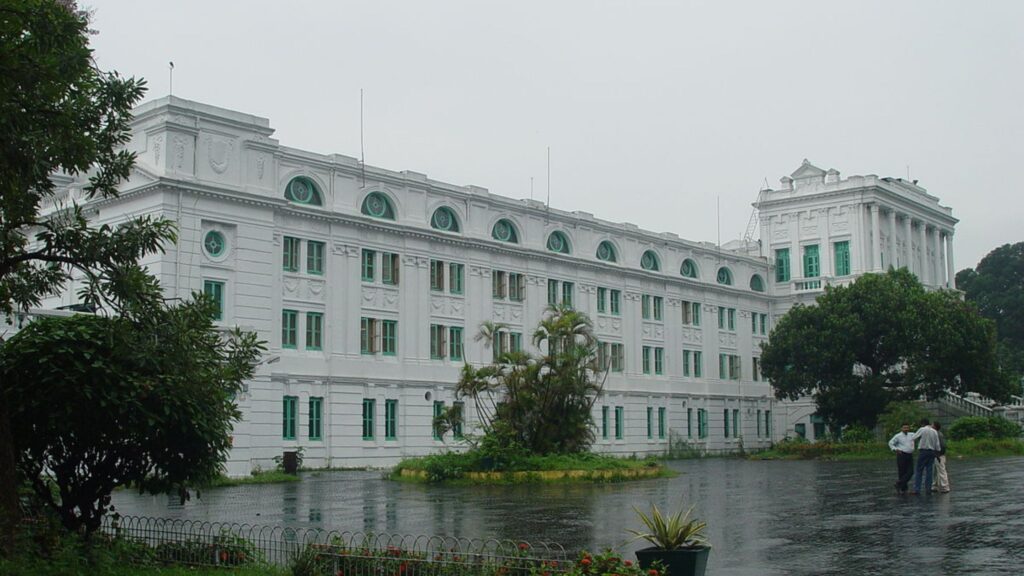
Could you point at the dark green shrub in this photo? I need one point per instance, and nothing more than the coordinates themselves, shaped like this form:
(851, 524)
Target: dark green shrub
(980, 427)
(898, 413)
(857, 435)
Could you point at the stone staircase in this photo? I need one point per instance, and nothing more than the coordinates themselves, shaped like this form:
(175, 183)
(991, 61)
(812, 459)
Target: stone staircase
(951, 406)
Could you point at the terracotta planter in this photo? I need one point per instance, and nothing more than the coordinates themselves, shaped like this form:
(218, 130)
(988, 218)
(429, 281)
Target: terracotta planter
(680, 562)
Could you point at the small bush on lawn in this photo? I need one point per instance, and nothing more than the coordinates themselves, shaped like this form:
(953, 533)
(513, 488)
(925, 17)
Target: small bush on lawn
(980, 427)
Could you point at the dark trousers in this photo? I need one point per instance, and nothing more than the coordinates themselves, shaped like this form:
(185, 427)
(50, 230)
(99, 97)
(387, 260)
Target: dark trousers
(904, 470)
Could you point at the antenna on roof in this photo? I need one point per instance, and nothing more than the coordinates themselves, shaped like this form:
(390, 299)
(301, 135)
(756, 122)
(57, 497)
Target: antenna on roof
(531, 187)
(748, 236)
(362, 148)
(549, 178)
(170, 91)
(718, 219)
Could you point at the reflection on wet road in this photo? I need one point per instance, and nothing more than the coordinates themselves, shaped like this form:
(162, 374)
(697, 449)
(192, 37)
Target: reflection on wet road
(764, 518)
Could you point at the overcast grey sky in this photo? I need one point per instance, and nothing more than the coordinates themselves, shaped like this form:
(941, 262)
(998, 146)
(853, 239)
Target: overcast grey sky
(652, 110)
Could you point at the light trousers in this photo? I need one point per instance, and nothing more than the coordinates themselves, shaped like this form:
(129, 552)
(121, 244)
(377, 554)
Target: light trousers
(941, 477)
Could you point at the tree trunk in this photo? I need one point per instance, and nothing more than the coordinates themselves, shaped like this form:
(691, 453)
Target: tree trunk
(9, 512)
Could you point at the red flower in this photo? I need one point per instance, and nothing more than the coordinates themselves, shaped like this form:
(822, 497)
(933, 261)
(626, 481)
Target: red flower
(523, 545)
(628, 563)
(652, 572)
(585, 561)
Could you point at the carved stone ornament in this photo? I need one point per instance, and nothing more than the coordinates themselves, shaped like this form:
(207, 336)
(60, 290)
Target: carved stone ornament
(179, 152)
(727, 339)
(219, 152)
(261, 160)
(157, 144)
(315, 289)
(291, 286)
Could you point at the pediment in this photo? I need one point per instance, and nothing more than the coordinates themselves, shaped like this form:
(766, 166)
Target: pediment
(807, 170)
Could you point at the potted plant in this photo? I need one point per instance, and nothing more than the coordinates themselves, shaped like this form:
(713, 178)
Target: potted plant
(678, 542)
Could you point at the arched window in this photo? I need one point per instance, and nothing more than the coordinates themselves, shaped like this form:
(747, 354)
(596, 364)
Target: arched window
(302, 190)
(649, 261)
(444, 219)
(505, 231)
(606, 252)
(725, 276)
(756, 283)
(379, 206)
(689, 269)
(214, 244)
(557, 242)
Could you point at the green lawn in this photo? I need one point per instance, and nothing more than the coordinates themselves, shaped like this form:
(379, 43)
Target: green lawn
(879, 451)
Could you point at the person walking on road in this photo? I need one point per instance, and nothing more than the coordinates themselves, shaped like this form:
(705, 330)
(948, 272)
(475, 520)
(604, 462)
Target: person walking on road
(903, 445)
(941, 477)
(927, 448)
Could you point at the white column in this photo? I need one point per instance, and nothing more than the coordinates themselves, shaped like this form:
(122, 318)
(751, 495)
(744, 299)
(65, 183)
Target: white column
(876, 241)
(939, 273)
(950, 271)
(908, 248)
(796, 258)
(891, 251)
(922, 267)
(825, 252)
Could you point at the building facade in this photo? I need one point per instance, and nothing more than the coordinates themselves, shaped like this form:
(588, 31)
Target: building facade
(370, 286)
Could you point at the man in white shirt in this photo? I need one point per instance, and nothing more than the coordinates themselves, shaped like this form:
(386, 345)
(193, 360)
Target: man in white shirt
(927, 448)
(903, 445)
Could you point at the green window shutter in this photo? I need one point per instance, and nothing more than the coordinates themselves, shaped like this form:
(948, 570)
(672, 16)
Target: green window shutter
(782, 265)
(437, 343)
(389, 337)
(458, 413)
(645, 306)
(768, 423)
(316, 418)
(290, 254)
(659, 305)
(602, 295)
(389, 263)
(552, 292)
(568, 290)
(437, 275)
(842, 258)
(732, 319)
(369, 409)
(314, 330)
(614, 301)
(604, 422)
(696, 314)
(659, 360)
(368, 263)
(290, 409)
(289, 328)
(736, 423)
(438, 411)
(721, 318)
(687, 355)
(215, 290)
(811, 262)
(619, 423)
(390, 419)
(367, 335)
(723, 368)
(646, 356)
(455, 343)
(650, 423)
(455, 275)
(689, 422)
(726, 418)
(315, 257)
(698, 364)
(661, 422)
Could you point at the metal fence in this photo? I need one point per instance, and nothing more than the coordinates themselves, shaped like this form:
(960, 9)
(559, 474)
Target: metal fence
(314, 551)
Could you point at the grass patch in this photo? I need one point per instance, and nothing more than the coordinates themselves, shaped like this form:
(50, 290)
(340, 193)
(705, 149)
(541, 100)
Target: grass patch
(879, 451)
(270, 477)
(476, 467)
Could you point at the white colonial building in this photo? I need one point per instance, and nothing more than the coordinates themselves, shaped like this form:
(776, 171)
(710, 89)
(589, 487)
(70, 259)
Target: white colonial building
(369, 286)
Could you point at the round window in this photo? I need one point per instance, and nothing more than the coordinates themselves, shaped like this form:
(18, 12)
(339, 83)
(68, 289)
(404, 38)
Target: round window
(502, 231)
(376, 205)
(604, 252)
(556, 243)
(214, 243)
(301, 191)
(442, 219)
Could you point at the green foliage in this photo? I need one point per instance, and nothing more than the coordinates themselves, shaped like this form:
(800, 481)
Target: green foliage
(996, 287)
(880, 451)
(881, 339)
(670, 532)
(271, 477)
(454, 465)
(539, 404)
(899, 413)
(983, 428)
(857, 435)
(98, 402)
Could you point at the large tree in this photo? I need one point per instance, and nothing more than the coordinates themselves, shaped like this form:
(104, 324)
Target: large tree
(540, 403)
(996, 287)
(881, 339)
(99, 402)
(60, 114)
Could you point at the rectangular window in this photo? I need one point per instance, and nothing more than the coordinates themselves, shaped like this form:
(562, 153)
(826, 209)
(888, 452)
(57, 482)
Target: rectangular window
(436, 276)
(552, 292)
(687, 311)
(369, 263)
(499, 344)
(316, 418)
(646, 356)
(736, 432)
(726, 420)
(568, 289)
(782, 273)
(455, 276)
(696, 313)
(368, 335)
(661, 422)
(438, 411)
(604, 422)
(455, 343)
(437, 341)
(215, 290)
(603, 355)
(314, 331)
(389, 268)
(515, 341)
(390, 419)
(732, 319)
(659, 307)
(389, 337)
(516, 287)
(314, 257)
(602, 297)
(756, 375)
(290, 416)
(369, 411)
(289, 328)
(764, 324)
(812, 267)
(689, 422)
(723, 366)
(645, 307)
(753, 323)
(290, 255)
(650, 423)
(498, 287)
(659, 360)
(758, 423)
(698, 364)
(768, 424)
(687, 362)
(842, 251)
(620, 422)
(458, 411)
(721, 318)
(618, 357)
(702, 423)
(614, 299)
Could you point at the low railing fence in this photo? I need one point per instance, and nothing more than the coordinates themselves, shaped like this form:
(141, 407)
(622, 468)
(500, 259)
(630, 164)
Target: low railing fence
(335, 553)
(966, 405)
